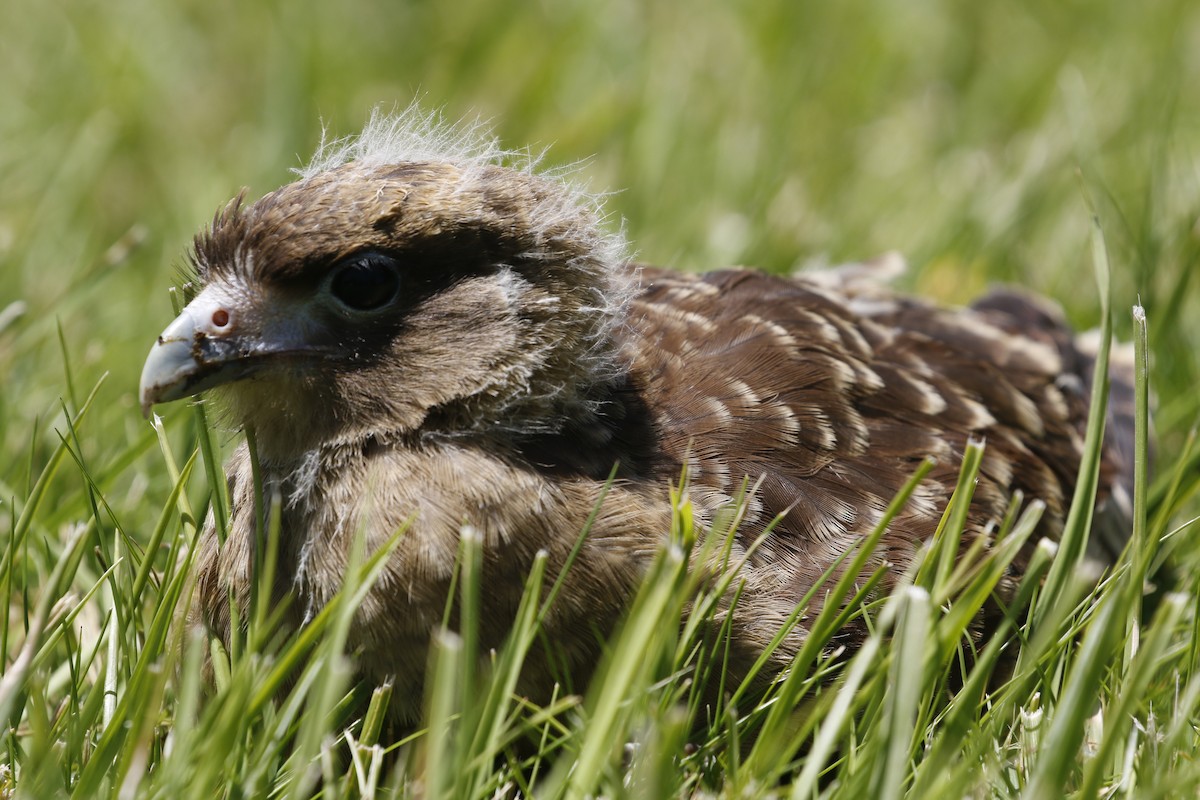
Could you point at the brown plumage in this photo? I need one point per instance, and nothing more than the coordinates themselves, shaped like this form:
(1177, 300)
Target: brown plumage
(416, 331)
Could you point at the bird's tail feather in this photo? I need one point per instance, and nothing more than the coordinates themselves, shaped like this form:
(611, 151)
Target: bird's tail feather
(1043, 320)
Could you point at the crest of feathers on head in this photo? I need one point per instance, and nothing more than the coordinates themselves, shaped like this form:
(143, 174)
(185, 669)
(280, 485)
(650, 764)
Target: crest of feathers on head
(569, 241)
(415, 135)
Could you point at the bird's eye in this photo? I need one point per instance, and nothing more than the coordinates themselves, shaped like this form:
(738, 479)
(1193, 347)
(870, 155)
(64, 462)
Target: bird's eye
(366, 282)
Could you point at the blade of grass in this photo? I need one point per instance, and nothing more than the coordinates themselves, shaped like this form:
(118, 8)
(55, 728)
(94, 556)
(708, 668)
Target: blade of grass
(905, 681)
(1073, 541)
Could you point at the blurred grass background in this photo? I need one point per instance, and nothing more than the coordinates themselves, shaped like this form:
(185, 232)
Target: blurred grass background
(971, 137)
(965, 135)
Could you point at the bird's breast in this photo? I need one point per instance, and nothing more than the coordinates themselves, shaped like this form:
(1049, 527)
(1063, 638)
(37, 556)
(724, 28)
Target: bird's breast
(339, 499)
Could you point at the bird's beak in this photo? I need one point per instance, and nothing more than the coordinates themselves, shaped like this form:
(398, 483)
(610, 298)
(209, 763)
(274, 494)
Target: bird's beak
(202, 348)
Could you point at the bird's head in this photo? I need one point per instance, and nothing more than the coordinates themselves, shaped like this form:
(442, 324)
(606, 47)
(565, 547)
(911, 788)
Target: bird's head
(409, 283)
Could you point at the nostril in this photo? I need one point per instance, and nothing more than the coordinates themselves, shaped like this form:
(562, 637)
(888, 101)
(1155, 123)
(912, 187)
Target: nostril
(220, 318)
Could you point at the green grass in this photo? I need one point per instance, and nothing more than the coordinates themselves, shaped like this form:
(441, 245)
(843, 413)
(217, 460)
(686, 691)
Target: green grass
(979, 139)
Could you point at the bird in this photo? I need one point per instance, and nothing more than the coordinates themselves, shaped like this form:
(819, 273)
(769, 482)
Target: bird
(427, 331)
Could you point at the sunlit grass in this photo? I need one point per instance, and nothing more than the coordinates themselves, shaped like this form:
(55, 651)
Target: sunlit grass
(969, 137)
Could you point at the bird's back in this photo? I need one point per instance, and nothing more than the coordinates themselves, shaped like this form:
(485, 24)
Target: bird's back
(826, 392)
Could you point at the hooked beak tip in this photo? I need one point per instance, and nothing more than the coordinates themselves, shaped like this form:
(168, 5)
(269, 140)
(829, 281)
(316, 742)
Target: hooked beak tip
(169, 364)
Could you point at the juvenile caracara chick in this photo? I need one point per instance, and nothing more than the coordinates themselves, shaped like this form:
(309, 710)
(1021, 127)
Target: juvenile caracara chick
(424, 327)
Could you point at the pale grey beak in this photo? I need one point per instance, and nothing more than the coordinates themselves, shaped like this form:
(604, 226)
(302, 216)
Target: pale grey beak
(197, 351)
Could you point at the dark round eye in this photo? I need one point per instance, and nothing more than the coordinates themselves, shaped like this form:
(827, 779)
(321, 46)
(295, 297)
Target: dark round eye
(366, 282)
